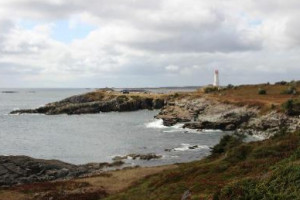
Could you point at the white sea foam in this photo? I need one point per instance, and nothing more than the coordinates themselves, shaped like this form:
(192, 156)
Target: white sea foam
(158, 123)
(211, 130)
(170, 131)
(178, 126)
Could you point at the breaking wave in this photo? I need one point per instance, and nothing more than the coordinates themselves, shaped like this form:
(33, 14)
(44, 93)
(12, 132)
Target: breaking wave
(158, 123)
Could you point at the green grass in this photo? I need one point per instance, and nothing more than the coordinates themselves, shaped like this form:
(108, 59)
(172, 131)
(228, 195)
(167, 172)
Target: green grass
(267, 169)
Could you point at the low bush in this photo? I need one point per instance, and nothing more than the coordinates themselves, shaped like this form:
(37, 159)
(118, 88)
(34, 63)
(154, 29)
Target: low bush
(176, 95)
(281, 83)
(282, 184)
(210, 89)
(227, 142)
(290, 90)
(262, 91)
(230, 86)
(238, 154)
(122, 98)
(291, 107)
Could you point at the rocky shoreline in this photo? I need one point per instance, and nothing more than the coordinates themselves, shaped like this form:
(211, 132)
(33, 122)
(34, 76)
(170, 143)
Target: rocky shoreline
(16, 170)
(202, 113)
(194, 111)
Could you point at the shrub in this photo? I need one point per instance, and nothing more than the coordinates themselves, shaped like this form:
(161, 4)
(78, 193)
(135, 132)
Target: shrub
(238, 154)
(282, 184)
(290, 90)
(281, 83)
(227, 142)
(230, 86)
(176, 95)
(273, 106)
(292, 107)
(122, 98)
(262, 91)
(210, 89)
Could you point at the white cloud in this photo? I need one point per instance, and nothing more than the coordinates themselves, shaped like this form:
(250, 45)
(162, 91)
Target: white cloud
(141, 42)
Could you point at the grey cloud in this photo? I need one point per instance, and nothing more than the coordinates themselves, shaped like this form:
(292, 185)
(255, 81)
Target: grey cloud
(44, 9)
(105, 9)
(201, 41)
(212, 36)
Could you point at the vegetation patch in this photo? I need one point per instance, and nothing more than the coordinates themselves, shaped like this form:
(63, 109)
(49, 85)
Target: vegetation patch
(268, 169)
(290, 90)
(210, 89)
(262, 91)
(292, 107)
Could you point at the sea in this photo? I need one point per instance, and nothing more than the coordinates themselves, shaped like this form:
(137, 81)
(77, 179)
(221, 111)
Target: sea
(81, 139)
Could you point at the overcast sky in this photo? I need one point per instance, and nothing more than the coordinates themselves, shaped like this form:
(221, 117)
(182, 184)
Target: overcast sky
(139, 43)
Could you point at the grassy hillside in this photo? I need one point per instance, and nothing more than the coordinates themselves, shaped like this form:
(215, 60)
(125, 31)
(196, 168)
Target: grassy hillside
(267, 169)
(274, 96)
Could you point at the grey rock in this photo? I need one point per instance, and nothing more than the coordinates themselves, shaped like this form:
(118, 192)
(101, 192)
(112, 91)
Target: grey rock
(23, 169)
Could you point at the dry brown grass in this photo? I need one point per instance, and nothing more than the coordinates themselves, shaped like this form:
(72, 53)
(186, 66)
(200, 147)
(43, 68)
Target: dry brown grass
(12, 195)
(83, 188)
(122, 179)
(248, 95)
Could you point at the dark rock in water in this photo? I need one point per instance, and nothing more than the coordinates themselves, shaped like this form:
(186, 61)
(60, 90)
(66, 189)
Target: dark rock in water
(29, 111)
(210, 125)
(148, 156)
(22, 169)
(170, 121)
(116, 164)
(9, 92)
(194, 147)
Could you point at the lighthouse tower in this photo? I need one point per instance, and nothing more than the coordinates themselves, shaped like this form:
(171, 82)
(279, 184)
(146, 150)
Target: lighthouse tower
(216, 78)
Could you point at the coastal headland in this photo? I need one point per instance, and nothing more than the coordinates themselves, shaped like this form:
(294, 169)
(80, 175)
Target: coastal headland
(234, 170)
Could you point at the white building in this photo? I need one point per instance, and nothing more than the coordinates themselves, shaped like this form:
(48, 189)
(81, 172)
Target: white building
(216, 79)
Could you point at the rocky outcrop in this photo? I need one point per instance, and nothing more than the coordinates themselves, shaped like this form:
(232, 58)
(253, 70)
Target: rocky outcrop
(99, 101)
(202, 113)
(205, 114)
(22, 169)
(271, 123)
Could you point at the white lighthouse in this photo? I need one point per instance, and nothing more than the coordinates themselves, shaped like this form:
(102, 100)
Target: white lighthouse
(216, 78)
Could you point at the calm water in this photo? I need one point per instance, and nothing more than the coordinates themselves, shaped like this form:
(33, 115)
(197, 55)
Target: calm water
(81, 139)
